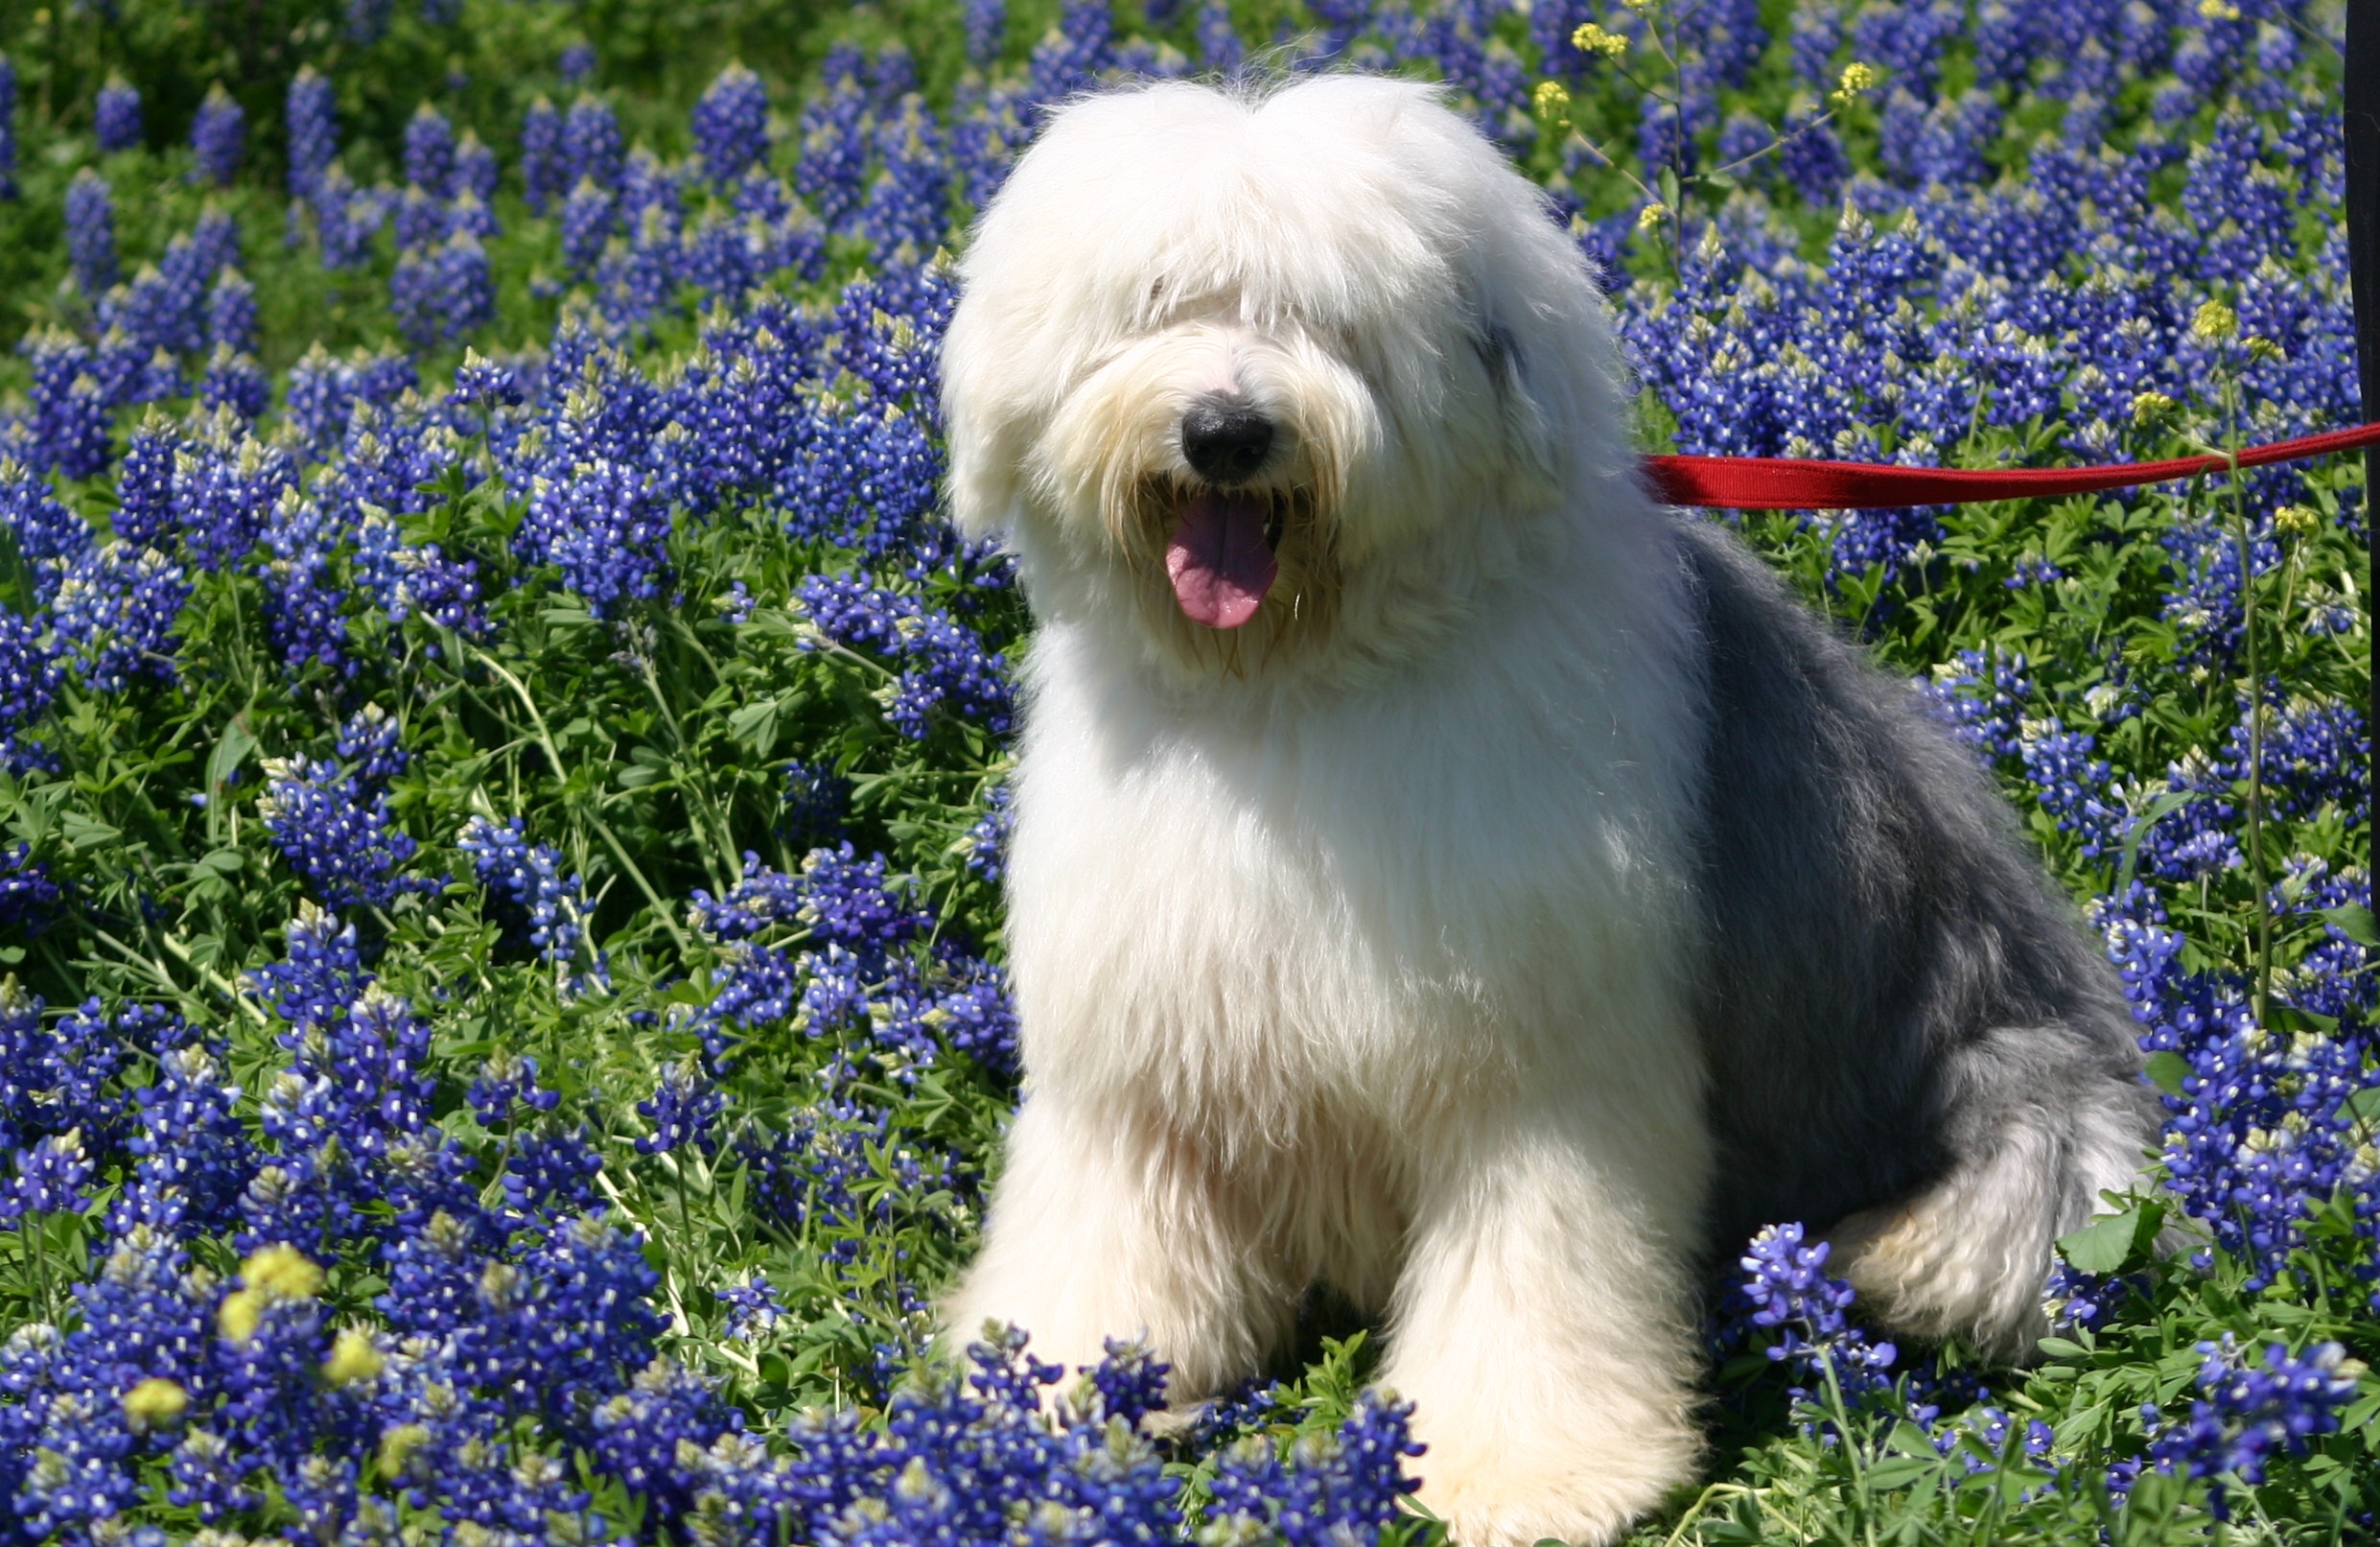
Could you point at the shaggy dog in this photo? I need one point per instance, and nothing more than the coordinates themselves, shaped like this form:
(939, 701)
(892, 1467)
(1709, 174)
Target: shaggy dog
(1439, 870)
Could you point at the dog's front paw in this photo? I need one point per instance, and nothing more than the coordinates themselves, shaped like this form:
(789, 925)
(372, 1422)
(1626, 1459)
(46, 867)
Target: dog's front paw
(1490, 1507)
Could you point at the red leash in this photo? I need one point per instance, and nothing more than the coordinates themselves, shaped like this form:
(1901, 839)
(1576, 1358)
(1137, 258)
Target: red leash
(1794, 484)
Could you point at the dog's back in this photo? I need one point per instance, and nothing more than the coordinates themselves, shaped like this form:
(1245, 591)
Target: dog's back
(1912, 1043)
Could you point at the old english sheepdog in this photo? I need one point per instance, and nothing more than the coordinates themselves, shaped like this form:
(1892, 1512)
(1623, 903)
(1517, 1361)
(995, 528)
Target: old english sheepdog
(1439, 871)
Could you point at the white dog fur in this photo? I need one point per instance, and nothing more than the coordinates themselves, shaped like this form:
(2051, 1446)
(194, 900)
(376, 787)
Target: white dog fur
(1483, 927)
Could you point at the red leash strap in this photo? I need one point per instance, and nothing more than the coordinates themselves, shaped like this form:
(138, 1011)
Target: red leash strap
(1795, 484)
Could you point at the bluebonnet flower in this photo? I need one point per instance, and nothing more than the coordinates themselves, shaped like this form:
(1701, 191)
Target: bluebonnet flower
(753, 1307)
(551, 908)
(188, 1137)
(422, 221)
(1325, 1487)
(600, 523)
(576, 62)
(217, 137)
(946, 665)
(587, 218)
(75, 391)
(834, 156)
(91, 232)
(760, 897)
(1981, 697)
(116, 115)
(371, 741)
(2070, 782)
(591, 144)
(731, 125)
(684, 1109)
(1798, 1308)
(44, 528)
(506, 1081)
(542, 175)
(813, 807)
(335, 836)
(906, 215)
(439, 296)
(231, 311)
(2250, 1414)
(430, 151)
(986, 24)
(114, 613)
(29, 682)
(987, 841)
(50, 1178)
(144, 515)
(346, 220)
(310, 115)
(235, 382)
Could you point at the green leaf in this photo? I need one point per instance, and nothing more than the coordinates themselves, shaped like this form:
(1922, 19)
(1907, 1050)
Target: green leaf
(2114, 1244)
(86, 831)
(755, 725)
(2157, 809)
(2354, 920)
(1899, 1471)
(2167, 1070)
(231, 749)
(16, 575)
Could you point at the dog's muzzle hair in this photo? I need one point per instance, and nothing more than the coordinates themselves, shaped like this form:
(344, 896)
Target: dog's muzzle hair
(1230, 538)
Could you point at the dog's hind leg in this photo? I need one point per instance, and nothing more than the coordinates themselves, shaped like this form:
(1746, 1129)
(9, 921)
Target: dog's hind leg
(1103, 1225)
(1541, 1330)
(2036, 1143)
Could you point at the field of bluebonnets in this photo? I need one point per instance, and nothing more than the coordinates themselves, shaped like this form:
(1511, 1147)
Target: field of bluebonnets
(500, 756)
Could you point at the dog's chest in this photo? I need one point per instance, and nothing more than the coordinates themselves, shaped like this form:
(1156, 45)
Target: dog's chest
(1367, 909)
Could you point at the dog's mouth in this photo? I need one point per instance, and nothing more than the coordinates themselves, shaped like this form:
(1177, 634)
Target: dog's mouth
(1220, 556)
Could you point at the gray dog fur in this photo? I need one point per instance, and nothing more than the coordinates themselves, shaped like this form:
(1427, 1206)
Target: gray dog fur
(1896, 993)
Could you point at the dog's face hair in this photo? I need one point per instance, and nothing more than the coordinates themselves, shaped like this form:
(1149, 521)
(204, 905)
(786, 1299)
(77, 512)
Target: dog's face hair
(1265, 383)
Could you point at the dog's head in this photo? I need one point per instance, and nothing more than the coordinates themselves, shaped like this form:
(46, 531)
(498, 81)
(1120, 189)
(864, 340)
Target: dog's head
(1272, 378)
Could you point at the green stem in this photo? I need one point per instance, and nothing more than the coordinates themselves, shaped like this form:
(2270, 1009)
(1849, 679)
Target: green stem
(2257, 875)
(661, 910)
(604, 830)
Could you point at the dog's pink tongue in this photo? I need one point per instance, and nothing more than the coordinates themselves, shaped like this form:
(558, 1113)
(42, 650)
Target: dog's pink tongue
(1219, 561)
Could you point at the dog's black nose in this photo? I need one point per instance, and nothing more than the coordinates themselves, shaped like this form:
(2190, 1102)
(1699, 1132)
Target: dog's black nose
(1224, 442)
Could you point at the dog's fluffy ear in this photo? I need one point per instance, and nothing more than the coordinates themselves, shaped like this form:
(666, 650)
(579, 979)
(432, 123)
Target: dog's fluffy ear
(982, 485)
(1529, 444)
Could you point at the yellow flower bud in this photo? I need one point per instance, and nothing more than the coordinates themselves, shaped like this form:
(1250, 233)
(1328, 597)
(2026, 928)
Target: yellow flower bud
(1857, 79)
(1590, 38)
(1651, 215)
(352, 1358)
(2148, 405)
(2214, 322)
(2217, 11)
(154, 1402)
(1552, 98)
(2295, 521)
(236, 1318)
(277, 1272)
(283, 1271)
(397, 1446)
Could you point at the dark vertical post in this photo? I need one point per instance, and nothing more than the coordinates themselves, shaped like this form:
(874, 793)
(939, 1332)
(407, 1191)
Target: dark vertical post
(2362, 137)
